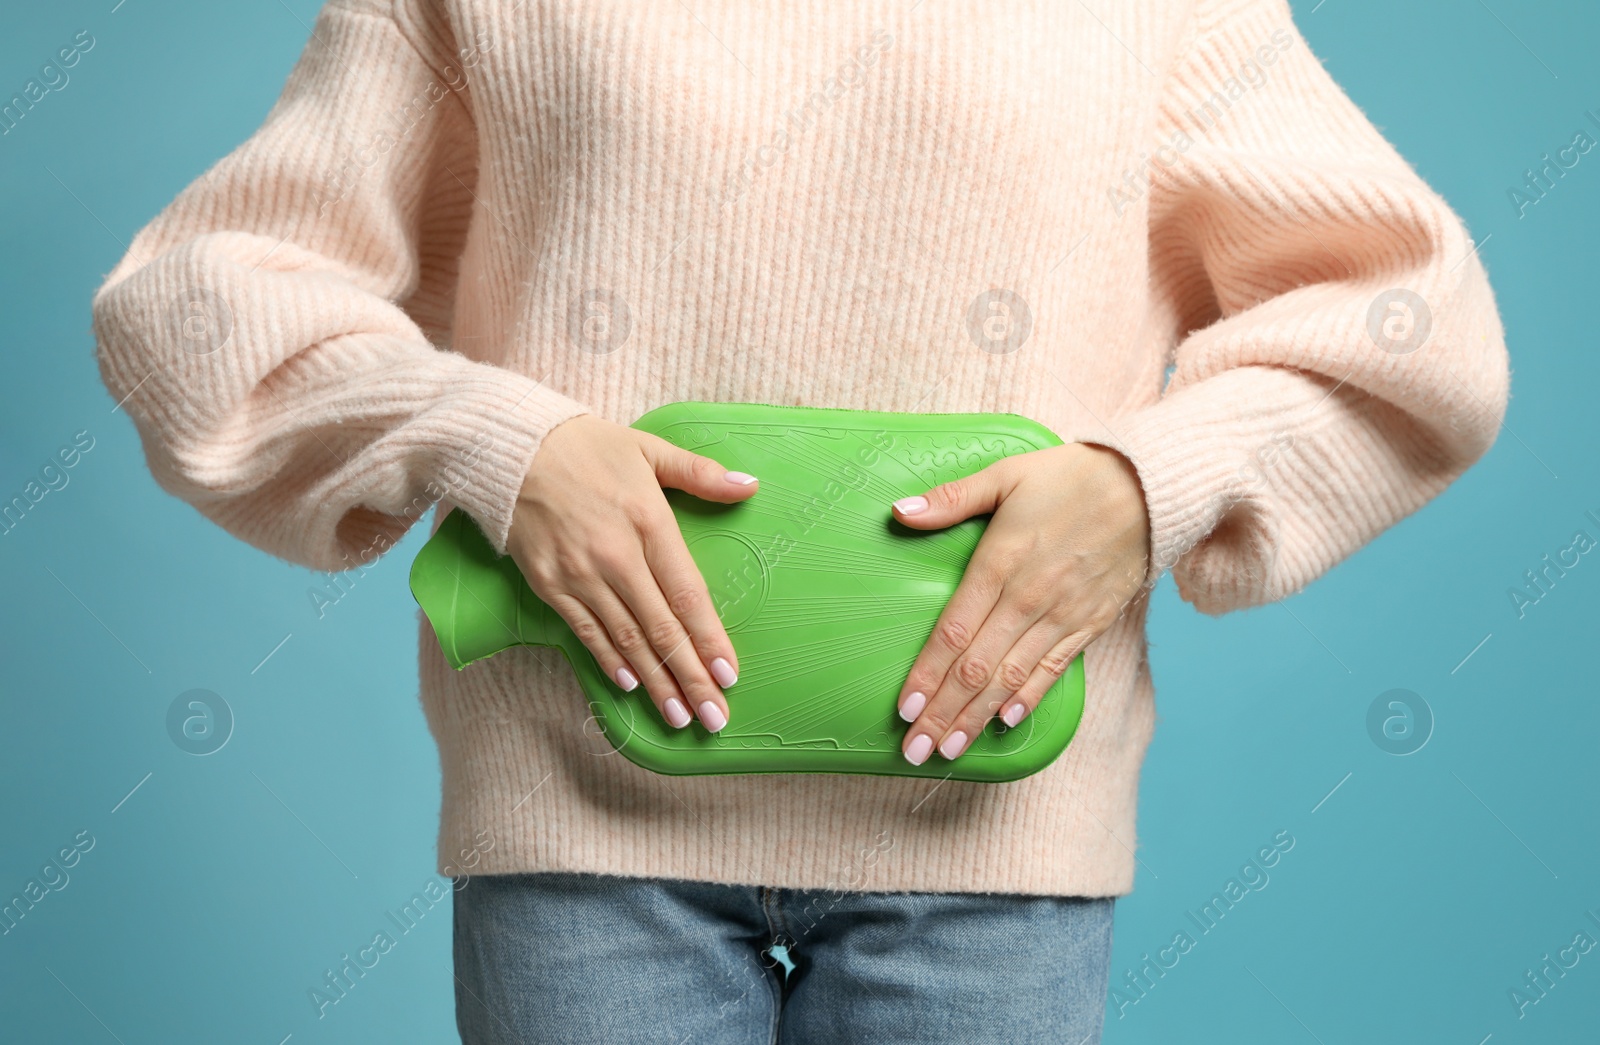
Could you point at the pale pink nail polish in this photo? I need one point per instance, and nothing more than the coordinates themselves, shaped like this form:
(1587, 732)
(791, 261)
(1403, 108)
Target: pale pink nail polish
(742, 478)
(711, 716)
(911, 505)
(723, 672)
(1014, 714)
(913, 706)
(627, 680)
(918, 752)
(677, 715)
(953, 744)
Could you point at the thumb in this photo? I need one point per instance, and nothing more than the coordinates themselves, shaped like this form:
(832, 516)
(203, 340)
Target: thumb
(680, 469)
(950, 503)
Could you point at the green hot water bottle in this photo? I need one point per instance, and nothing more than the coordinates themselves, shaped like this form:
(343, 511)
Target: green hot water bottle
(826, 598)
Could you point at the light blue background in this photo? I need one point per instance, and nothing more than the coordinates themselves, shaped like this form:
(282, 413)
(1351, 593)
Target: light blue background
(1417, 893)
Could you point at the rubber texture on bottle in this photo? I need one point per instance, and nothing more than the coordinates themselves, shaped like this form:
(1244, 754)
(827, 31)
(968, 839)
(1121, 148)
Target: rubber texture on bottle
(826, 598)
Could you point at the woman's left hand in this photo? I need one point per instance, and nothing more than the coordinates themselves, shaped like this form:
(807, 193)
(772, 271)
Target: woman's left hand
(1065, 551)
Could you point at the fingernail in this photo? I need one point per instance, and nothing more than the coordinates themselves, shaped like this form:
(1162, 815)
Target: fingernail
(953, 744)
(917, 753)
(626, 680)
(1014, 714)
(913, 706)
(676, 713)
(910, 505)
(742, 478)
(711, 716)
(723, 672)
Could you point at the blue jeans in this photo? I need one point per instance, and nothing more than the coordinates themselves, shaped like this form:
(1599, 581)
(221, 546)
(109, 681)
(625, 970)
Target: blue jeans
(609, 960)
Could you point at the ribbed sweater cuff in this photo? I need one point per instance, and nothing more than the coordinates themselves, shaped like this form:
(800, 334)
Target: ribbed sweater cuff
(1204, 448)
(494, 424)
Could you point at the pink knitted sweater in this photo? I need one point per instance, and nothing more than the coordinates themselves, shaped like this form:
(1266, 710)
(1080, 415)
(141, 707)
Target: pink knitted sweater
(466, 221)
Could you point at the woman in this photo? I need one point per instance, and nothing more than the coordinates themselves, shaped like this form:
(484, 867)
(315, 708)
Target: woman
(473, 241)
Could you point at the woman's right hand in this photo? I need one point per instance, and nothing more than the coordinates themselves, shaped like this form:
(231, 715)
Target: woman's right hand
(596, 540)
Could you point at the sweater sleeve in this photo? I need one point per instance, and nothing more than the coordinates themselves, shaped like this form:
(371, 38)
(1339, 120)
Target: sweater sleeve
(1339, 359)
(272, 331)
